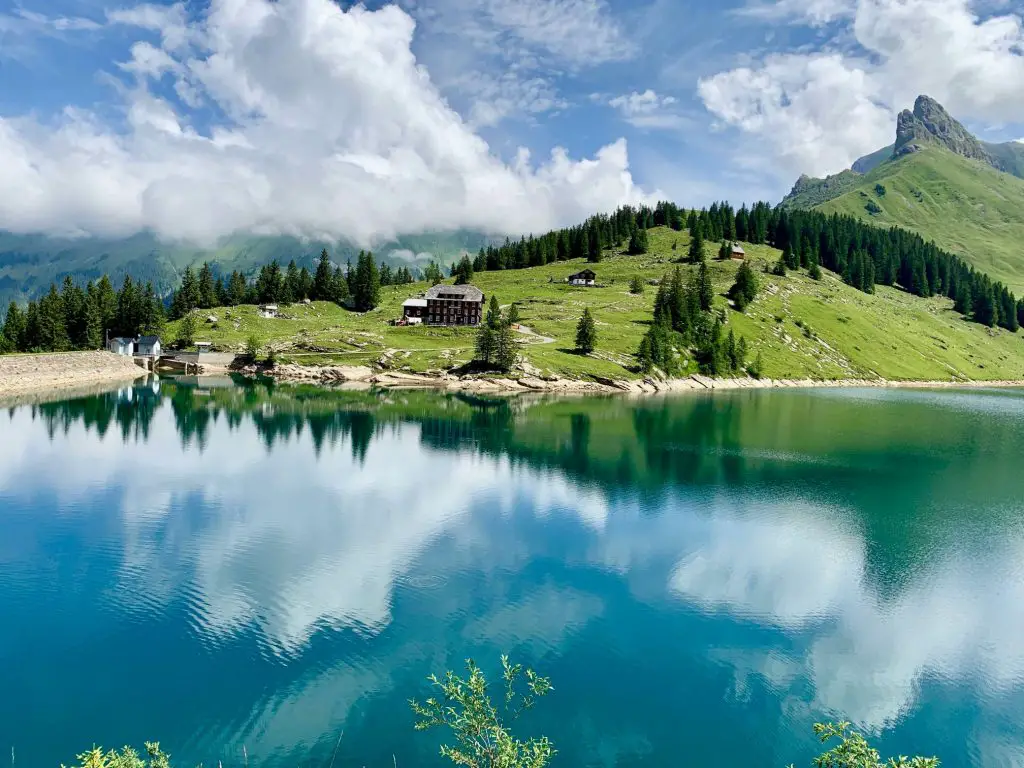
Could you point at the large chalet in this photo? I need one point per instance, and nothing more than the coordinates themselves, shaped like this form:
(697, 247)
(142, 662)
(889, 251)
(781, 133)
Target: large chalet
(446, 305)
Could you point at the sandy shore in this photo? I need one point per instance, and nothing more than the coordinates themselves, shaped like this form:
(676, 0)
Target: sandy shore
(36, 376)
(527, 382)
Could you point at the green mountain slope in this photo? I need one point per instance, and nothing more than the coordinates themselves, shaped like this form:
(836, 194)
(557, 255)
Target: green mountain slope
(941, 182)
(964, 205)
(29, 263)
(803, 328)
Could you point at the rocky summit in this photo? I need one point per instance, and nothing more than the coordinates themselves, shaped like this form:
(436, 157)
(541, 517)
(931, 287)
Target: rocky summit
(930, 122)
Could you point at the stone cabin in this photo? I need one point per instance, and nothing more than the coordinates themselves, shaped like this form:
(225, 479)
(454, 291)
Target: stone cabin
(586, 277)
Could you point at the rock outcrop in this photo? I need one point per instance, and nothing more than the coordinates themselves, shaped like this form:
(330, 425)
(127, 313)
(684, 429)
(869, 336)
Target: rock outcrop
(931, 123)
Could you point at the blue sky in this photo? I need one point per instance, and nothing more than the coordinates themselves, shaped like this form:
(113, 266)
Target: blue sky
(208, 117)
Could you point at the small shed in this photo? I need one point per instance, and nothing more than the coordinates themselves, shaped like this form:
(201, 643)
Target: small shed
(147, 346)
(737, 252)
(414, 310)
(268, 310)
(121, 346)
(586, 277)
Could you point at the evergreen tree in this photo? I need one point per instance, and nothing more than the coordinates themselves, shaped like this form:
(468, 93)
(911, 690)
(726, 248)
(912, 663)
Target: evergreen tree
(506, 352)
(293, 282)
(744, 289)
(30, 334)
(207, 288)
(53, 332)
(485, 345)
(780, 267)
(705, 290)
(814, 270)
(593, 244)
(305, 284)
(696, 253)
(513, 314)
(586, 333)
(323, 280)
(639, 242)
(463, 271)
(94, 330)
(73, 298)
(187, 297)
(432, 274)
(636, 285)
(366, 290)
(725, 251)
(237, 289)
(186, 332)
(151, 312)
(338, 291)
(106, 300)
(14, 329)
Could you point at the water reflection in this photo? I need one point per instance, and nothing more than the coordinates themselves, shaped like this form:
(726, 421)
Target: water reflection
(309, 555)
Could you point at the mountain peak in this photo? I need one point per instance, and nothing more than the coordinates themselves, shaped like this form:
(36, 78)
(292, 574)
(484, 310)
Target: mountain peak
(931, 123)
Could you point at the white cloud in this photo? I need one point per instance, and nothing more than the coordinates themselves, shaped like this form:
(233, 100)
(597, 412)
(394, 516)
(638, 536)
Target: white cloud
(333, 129)
(647, 110)
(819, 111)
(815, 12)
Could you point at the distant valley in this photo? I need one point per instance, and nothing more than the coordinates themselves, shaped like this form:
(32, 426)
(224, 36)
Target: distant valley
(30, 263)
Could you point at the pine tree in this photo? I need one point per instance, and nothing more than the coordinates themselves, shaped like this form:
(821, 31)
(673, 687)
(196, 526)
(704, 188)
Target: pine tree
(463, 271)
(636, 285)
(696, 253)
(725, 251)
(513, 314)
(151, 312)
(744, 290)
(814, 270)
(338, 291)
(780, 267)
(323, 280)
(639, 242)
(586, 333)
(53, 332)
(187, 297)
(237, 289)
(506, 353)
(706, 291)
(14, 328)
(593, 244)
(293, 282)
(93, 322)
(366, 288)
(106, 300)
(432, 274)
(207, 288)
(186, 332)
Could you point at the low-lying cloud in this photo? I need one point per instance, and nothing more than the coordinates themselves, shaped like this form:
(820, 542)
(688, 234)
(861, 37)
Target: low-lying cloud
(325, 126)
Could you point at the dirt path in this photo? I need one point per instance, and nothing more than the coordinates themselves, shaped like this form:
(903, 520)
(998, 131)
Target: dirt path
(535, 338)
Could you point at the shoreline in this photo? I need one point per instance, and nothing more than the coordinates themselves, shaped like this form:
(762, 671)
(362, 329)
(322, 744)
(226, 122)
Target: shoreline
(28, 378)
(528, 382)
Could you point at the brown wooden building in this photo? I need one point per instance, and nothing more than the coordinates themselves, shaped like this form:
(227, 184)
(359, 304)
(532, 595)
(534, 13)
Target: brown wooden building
(454, 305)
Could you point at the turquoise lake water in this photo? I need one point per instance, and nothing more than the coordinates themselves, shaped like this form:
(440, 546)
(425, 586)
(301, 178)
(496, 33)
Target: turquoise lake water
(221, 567)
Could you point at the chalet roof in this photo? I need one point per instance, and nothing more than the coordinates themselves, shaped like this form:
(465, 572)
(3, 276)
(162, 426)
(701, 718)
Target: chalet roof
(121, 340)
(414, 303)
(737, 248)
(587, 274)
(463, 292)
(150, 340)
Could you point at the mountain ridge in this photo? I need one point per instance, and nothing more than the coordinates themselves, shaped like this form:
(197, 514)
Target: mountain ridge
(939, 181)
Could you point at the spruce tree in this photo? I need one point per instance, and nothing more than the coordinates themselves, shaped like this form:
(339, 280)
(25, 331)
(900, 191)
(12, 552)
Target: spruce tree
(706, 291)
(696, 253)
(14, 328)
(293, 282)
(323, 280)
(106, 300)
(586, 333)
(725, 251)
(636, 285)
(207, 288)
(639, 242)
(186, 332)
(513, 314)
(53, 332)
(814, 270)
(744, 290)
(93, 323)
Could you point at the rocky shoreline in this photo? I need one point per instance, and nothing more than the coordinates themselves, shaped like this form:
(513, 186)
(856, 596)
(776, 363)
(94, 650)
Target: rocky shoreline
(54, 374)
(532, 382)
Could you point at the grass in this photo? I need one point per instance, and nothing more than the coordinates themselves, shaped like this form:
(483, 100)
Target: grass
(965, 206)
(803, 328)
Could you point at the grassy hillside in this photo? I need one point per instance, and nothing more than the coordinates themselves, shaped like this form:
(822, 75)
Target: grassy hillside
(965, 206)
(803, 328)
(29, 263)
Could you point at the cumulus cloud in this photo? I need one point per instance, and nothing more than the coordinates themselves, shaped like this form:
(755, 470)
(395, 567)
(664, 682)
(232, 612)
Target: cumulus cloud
(330, 128)
(815, 12)
(817, 112)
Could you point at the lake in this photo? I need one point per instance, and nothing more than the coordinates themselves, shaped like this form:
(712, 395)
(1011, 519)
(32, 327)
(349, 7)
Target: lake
(278, 568)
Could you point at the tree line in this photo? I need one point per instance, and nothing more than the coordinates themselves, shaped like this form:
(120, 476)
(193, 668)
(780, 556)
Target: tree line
(358, 287)
(863, 255)
(79, 318)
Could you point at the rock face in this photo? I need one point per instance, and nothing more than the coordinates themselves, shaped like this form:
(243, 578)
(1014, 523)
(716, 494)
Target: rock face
(930, 122)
